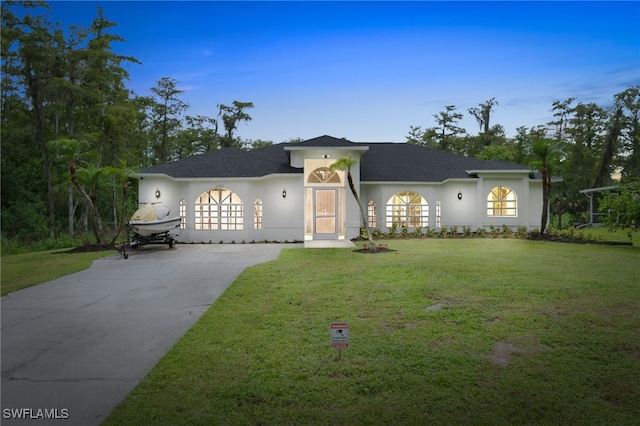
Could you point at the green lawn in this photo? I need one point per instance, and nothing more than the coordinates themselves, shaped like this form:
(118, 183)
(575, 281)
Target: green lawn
(442, 331)
(621, 235)
(25, 270)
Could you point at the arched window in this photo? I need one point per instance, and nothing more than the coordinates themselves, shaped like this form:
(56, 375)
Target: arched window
(407, 208)
(324, 175)
(371, 214)
(502, 201)
(182, 208)
(218, 209)
(257, 214)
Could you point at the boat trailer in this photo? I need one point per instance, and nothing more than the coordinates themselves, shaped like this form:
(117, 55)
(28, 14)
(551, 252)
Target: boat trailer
(136, 241)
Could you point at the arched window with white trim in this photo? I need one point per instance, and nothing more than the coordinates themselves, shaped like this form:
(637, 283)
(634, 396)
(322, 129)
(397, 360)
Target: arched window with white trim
(324, 175)
(502, 201)
(371, 214)
(182, 209)
(257, 214)
(408, 209)
(219, 209)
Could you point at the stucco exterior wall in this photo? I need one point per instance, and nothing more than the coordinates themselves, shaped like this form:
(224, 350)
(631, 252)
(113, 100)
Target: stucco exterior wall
(283, 217)
(469, 211)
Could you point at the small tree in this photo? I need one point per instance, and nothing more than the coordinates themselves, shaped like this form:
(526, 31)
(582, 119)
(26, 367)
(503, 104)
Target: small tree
(345, 164)
(231, 116)
(544, 159)
(71, 149)
(122, 175)
(624, 206)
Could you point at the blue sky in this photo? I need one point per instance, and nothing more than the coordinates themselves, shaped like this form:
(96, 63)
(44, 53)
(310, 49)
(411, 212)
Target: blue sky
(367, 71)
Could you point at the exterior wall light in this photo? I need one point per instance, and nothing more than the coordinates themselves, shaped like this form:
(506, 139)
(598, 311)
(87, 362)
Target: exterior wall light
(284, 193)
(459, 195)
(157, 193)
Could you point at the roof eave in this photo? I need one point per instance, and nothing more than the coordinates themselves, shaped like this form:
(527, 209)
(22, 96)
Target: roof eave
(217, 178)
(499, 171)
(417, 182)
(602, 188)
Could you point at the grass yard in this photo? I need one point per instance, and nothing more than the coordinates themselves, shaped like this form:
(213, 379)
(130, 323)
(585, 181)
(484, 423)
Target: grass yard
(25, 270)
(442, 331)
(620, 235)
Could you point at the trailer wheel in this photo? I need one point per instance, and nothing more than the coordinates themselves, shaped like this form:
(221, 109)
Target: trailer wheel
(171, 243)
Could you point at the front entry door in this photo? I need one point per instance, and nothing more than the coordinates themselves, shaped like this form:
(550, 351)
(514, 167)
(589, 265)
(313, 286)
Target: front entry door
(325, 214)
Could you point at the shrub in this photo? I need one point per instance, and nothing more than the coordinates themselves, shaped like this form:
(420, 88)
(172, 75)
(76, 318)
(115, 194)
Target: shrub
(522, 231)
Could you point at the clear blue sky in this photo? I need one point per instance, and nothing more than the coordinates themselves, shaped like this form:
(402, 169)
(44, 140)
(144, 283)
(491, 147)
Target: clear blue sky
(368, 70)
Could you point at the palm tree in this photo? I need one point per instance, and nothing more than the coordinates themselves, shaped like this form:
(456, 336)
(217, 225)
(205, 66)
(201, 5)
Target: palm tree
(345, 164)
(71, 149)
(545, 157)
(121, 174)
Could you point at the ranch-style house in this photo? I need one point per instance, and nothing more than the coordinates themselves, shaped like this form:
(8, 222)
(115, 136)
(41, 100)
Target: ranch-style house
(287, 192)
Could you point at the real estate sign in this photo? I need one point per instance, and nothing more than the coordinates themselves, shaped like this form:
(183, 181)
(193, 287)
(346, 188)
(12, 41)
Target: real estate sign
(339, 335)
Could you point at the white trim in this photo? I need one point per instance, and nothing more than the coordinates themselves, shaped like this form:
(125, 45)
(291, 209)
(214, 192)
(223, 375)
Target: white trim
(518, 171)
(602, 188)
(223, 179)
(408, 182)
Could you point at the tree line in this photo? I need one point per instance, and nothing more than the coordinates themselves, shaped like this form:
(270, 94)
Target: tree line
(585, 144)
(73, 133)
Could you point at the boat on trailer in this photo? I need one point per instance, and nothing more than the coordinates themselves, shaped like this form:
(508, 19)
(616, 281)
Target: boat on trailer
(151, 224)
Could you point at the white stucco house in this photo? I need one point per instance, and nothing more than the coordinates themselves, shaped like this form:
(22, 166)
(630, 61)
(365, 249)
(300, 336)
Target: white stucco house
(286, 192)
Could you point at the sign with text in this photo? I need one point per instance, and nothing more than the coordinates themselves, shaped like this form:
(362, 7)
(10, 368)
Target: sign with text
(339, 335)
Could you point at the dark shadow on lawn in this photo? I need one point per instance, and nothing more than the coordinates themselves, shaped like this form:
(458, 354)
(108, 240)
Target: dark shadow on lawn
(377, 250)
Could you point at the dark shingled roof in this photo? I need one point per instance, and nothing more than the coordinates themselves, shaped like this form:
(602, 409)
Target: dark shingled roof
(227, 162)
(403, 162)
(391, 162)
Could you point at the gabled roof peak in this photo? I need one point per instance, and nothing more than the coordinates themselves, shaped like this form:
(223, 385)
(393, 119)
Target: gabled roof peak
(325, 140)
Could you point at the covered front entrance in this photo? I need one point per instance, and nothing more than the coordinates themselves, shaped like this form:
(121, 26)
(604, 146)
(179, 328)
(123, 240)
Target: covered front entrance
(325, 214)
(324, 202)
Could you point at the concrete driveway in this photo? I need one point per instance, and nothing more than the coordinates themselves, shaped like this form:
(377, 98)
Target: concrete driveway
(76, 346)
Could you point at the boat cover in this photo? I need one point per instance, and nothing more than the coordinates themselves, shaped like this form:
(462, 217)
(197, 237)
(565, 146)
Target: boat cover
(150, 212)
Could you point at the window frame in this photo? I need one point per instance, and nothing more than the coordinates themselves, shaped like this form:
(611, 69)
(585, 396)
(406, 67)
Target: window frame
(182, 209)
(372, 214)
(502, 201)
(257, 214)
(408, 213)
(224, 211)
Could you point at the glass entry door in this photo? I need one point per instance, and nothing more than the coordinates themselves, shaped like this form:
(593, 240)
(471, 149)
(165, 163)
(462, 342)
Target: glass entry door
(325, 214)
